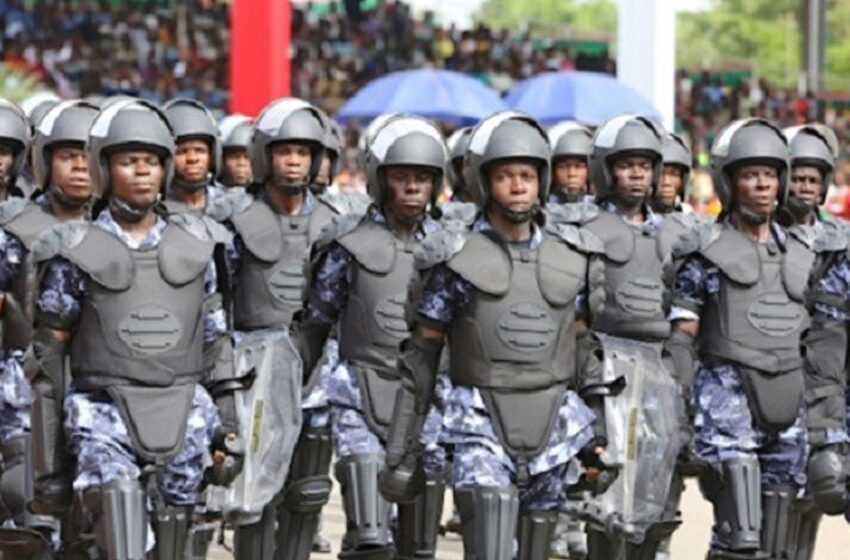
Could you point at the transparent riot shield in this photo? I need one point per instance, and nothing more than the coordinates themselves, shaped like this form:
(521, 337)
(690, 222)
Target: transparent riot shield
(271, 421)
(643, 419)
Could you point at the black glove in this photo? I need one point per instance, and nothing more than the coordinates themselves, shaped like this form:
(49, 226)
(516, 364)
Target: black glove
(309, 337)
(228, 451)
(598, 475)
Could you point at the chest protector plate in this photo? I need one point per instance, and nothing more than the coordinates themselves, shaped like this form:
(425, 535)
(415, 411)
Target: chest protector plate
(27, 225)
(635, 295)
(372, 325)
(758, 315)
(272, 274)
(523, 338)
(141, 322)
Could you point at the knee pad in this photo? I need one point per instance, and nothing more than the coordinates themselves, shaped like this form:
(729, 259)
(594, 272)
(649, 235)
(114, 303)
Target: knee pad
(496, 514)
(827, 481)
(535, 534)
(312, 455)
(171, 527)
(117, 511)
(366, 511)
(737, 504)
(419, 522)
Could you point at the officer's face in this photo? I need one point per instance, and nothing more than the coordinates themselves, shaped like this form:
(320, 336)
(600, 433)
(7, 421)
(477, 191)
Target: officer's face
(192, 160)
(237, 166)
(807, 184)
(69, 170)
(291, 161)
(409, 189)
(632, 175)
(323, 179)
(514, 185)
(7, 160)
(137, 177)
(756, 187)
(571, 174)
(668, 187)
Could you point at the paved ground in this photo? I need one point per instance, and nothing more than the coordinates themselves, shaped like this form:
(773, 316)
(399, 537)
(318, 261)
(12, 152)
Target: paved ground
(689, 543)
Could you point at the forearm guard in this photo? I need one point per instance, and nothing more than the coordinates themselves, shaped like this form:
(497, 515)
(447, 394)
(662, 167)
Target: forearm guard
(221, 381)
(15, 329)
(824, 349)
(680, 357)
(592, 385)
(309, 337)
(52, 468)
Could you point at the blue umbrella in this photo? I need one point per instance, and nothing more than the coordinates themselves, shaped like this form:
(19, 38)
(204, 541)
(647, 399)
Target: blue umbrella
(435, 94)
(587, 97)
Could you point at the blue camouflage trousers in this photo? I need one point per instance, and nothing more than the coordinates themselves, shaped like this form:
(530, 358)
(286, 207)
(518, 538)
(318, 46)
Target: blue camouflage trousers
(15, 398)
(479, 458)
(351, 434)
(99, 439)
(724, 429)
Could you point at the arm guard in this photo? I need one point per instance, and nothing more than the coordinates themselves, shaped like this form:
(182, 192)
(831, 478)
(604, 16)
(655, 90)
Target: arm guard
(227, 445)
(15, 329)
(592, 385)
(417, 368)
(680, 355)
(309, 337)
(52, 468)
(824, 346)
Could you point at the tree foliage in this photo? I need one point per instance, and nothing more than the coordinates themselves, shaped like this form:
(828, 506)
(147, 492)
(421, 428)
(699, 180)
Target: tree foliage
(553, 17)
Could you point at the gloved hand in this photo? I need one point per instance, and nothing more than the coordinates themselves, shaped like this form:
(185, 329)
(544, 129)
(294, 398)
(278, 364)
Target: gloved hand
(598, 476)
(827, 478)
(228, 452)
(402, 483)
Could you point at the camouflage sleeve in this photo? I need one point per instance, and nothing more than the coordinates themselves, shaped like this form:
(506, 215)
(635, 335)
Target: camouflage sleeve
(233, 250)
(444, 295)
(332, 276)
(832, 290)
(215, 321)
(695, 279)
(11, 257)
(60, 294)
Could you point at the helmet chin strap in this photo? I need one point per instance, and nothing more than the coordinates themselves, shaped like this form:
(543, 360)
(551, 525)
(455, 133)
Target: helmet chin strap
(126, 212)
(753, 218)
(627, 200)
(56, 193)
(513, 216)
(191, 186)
(287, 188)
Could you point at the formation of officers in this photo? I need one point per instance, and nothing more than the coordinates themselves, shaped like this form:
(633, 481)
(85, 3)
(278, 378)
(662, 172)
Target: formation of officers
(148, 254)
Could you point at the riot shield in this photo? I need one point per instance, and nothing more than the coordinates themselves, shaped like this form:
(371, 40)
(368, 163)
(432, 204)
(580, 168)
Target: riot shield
(643, 419)
(271, 421)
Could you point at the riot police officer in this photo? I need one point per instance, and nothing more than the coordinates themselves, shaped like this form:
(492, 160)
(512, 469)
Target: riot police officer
(129, 299)
(235, 134)
(331, 158)
(61, 172)
(513, 325)
(197, 160)
(669, 195)
(458, 143)
(812, 164)
(14, 145)
(572, 146)
(740, 287)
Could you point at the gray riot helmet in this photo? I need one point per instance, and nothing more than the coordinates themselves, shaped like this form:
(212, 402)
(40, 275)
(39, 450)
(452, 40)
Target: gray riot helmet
(286, 120)
(748, 141)
(569, 139)
(14, 132)
(191, 120)
(36, 105)
(814, 145)
(65, 124)
(676, 153)
(235, 133)
(128, 124)
(333, 145)
(410, 141)
(368, 134)
(506, 135)
(624, 136)
(458, 142)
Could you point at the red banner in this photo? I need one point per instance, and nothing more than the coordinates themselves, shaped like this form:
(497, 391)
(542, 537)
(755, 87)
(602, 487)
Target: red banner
(260, 33)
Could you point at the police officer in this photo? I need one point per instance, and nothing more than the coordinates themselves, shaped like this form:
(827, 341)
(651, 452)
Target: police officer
(812, 165)
(129, 300)
(235, 134)
(14, 144)
(61, 171)
(739, 294)
(669, 195)
(572, 146)
(625, 170)
(359, 282)
(458, 143)
(197, 159)
(512, 323)
(331, 157)
(273, 233)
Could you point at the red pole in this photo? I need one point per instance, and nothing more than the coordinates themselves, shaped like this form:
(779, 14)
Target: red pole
(260, 33)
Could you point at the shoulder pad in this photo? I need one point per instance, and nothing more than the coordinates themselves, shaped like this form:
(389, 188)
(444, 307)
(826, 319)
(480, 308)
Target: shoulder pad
(484, 264)
(460, 213)
(11, 208)
(617, 237)
(572, 213)
(185, 252)
(831, 238)
(731, 252)
(224, 207)
(259, 227)
(95, 251)
(347, 202)
(696, 238)
(336, 228)
(686, 219)
(203, 227)
(580, 239)
(439, 246)
(371, 245)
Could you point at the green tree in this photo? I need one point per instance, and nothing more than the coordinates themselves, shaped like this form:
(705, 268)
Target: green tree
(552, 17)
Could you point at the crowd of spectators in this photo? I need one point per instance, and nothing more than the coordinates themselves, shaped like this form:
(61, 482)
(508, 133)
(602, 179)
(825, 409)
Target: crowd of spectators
(160, 49)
